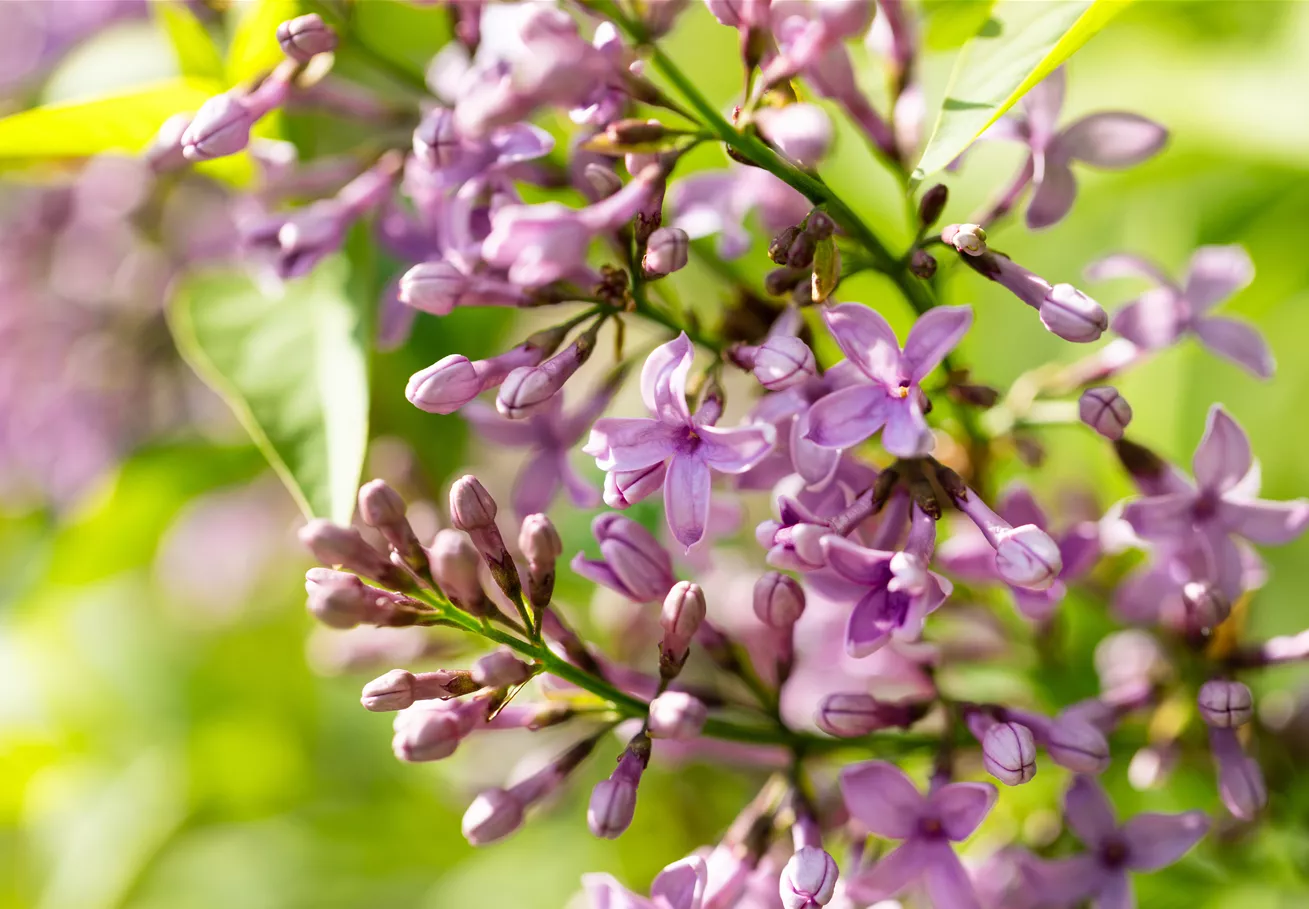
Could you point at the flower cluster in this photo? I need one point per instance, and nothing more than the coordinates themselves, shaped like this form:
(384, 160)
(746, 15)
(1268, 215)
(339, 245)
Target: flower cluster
(880, 466)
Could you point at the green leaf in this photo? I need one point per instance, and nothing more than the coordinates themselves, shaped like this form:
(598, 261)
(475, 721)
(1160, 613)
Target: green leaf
(827, 269)
(197, 55)
(294, 369)
(254, 49)
(1019, 45)
(403, 33)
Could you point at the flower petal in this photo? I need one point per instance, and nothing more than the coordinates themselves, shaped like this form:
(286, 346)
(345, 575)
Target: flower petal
(604, 892)
(686, 499)
(867, 340)
(848, 416)
(1238, 342)
(581, 492)
(599, 572)
(948, 883)
(815, 464)
(1155, 841)
(1215, 273)
(1161, 517)
(1064, 882)
(872, 621)
(663, 380)
(1018, 506)
(1154, 320)
(537, 482)
(1223, 456)
(933, 336)
(907, 434)
(1113, 139)
(735, 450)
(892, 873)
(1088, 812)
(1055, 192)
(882, 798)
(855, 563)
(1115, 893)
(681, 885)
(1043, 104)
(1262, 521)
(630, 443)
(961, 807)
(1125, 265)
(487, 423)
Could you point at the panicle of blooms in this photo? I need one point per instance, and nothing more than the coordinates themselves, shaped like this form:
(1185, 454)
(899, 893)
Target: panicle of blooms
(613, 800)
(691, 446)
(1064, 310)
(1169, 311)
(1112, 139)
(631, 561)
(890, 399)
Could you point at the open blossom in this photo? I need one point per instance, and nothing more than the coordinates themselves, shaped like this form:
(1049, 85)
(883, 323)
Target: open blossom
(690, 444)
(1221, 505)
(1147, 842)
(892, 397)
(1111, 139)
(633, 563)
(1170, 311)
(885, 801)
(679, 886)
(719, 202)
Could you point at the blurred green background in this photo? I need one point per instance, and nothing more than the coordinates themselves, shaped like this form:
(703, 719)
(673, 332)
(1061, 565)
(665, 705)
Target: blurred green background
(175, 733)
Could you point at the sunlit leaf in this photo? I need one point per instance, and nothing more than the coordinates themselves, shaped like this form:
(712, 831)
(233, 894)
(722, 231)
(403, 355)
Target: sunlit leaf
(1019, 45)
(197, 55)
(827, 269)
(254, 49)
(294, 369)
(406, 34)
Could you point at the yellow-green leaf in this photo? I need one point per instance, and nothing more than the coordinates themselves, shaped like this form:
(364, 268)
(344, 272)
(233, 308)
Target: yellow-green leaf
(197, 55)
(1021, 43)
(827, 269)
(294, 369)
(254, 49)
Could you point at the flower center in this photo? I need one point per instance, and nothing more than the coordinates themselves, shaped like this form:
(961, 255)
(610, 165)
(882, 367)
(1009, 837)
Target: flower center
(901, 391)
(1113, 852)
(931, 827)
(1205, 506)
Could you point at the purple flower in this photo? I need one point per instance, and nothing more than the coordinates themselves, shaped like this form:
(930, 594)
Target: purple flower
(801, 132)
(1147, 842)
(222, 125)
(1112, 139)
(899, 590)
(454, 381)
(633, 563)
(681, 885)
(1220, 506)
(884, 800)
(1167, 312)
(719, 202)
(1240, 778)
(1105, 410)
(892, 397)
(438, 287)
(809, 879)
(304, 37)
(549, 434)
(969, 555)
(690, 444)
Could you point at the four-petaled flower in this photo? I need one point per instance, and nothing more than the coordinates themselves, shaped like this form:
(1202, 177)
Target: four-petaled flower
(679, 886)
(690, 443)
(891, 398)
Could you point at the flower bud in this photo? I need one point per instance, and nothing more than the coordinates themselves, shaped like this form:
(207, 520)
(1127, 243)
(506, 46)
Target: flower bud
(819, 225)
(492, 816)
(1225, 704)
(428, 733)
(1026, 557)
(380, 505)
(333, 545)
(624, 488)
(613, 801)
(304, 37)
(471, 506)
(932, 204)
(969, 239)
(801, 132)
(445, 386)
(635, 132)
(399, 688)
(436, 140)
(783, 280)
(527, 388)
(164, 153)
(454, 561)
(1076, 745)
(683, 612)
(849, 714)
(539, 540)
(602, 179)
(635, 557)
(801, 254)
(779, 248)
(666, 252)
(809, 879)
(220, 127)
(1009, 753)
(1105, 410)
(1072, 315)
(433, 287)
(1206, 606)
(780, 362)
(338, 599)
(500, 669)
(676, 715)
(922, 264)
(779, 600)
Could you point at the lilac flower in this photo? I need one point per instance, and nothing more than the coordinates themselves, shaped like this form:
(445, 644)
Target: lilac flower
(1241, 783)
(438, 287)
(1220, 506)
(900, 591)
(613, 800)
(1147, 842)
(304, 37)
(549, 435)
(691, 445)
(801, 132)
(827, 25)
(681, 885)
(968, 555)
(222, 125)
(1169, 311)
(1105, 410)
(1111, 139)
(446, 158)
(633, 563)
(892, 398)
(454, 381)
(885, 801)
(719, 202)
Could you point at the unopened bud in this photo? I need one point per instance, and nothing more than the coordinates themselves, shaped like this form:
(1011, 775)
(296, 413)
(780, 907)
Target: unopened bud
(434, 287)
(399, 688)
(635, 132)
(454, 562)
(471, 506)
(801, 132)
(344, 546)
(820, 225)
(341, 600)
(304, 37)
(613, 801)
(492, 816)
(220, 127)
(676, 715)
(1072, 315)
(602, 179)
(1240, 778)
(666, 251)
(500, 669)
(1225, 704)
(164, 153)
(783, 280)
(809, 879)
(801, 253)
(1077, 745)
(983, 396)
(436, 139)
(1105, 410)
(780, 362)
(932, 204)
(969, 239)
(539, 540)
(1009, 753)
(1206, 606)
(445, 386)
(683, 612)
(779, 248)
(779, 600)
(922, 264)
(1026, 557)
(427, 734)
(851, 714)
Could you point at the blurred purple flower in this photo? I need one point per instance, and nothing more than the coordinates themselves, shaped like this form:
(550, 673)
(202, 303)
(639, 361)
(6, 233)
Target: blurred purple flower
(719, 202)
